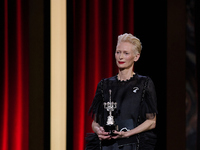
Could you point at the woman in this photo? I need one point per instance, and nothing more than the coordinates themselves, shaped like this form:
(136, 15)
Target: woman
(135, 95)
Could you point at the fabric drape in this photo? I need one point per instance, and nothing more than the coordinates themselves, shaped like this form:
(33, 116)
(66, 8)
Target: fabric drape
(96, 23)
(14, 77)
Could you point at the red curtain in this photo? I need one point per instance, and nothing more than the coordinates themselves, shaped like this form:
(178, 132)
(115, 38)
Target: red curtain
(97, 23)
(14, 98)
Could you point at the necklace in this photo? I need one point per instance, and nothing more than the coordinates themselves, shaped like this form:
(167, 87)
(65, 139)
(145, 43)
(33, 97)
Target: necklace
(119, 78)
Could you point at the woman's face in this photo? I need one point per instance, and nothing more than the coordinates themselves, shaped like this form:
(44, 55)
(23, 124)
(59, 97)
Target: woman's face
(125, 55)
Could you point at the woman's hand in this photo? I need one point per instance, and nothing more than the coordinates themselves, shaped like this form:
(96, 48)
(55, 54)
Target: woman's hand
(102, 134)
(149, 124)
(100, 131)
(121, 134)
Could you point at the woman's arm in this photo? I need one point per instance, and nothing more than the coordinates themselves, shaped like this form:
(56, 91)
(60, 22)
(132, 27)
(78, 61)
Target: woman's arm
(100, 131)
(145, 126)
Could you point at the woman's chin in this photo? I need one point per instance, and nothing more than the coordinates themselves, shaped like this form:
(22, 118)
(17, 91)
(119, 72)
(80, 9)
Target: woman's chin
(121, 68)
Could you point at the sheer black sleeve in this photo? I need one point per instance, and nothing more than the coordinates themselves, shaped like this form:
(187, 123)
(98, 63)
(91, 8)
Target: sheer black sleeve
(96, 110)
(150, 101)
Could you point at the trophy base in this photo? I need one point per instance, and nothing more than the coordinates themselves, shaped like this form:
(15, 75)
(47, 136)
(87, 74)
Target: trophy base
(110, 129)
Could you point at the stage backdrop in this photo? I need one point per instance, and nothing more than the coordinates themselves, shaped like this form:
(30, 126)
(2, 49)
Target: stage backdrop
(97, 23)
(14, 76)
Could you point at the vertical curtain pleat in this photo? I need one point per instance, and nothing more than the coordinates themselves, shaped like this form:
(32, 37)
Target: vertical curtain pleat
(97, 23)
(4, 128)
(79, 71)
(14, 113)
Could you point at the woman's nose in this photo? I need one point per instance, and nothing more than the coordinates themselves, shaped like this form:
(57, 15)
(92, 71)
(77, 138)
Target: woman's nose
(121, 56)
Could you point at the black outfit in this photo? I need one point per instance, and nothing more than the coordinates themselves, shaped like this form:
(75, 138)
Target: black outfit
(136, 102)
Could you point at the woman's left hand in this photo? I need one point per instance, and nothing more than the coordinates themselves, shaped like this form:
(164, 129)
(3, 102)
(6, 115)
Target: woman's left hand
(121, 134)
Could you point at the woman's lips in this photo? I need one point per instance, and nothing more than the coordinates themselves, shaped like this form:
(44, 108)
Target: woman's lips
(120, 62)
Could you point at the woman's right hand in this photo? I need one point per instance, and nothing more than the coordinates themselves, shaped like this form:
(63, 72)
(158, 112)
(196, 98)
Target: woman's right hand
(102, 134)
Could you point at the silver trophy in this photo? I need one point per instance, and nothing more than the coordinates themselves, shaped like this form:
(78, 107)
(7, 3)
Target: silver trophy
(110, 107)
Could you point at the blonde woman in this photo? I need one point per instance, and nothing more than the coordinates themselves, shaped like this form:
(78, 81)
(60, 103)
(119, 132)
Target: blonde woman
(135, 96)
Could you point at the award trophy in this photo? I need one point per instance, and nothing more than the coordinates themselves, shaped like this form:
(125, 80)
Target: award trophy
(110, 125)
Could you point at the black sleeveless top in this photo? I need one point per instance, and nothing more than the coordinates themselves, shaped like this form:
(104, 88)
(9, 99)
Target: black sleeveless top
(128, 95)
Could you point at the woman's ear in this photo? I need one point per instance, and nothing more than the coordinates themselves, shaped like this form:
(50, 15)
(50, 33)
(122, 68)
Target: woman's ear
(137, 56)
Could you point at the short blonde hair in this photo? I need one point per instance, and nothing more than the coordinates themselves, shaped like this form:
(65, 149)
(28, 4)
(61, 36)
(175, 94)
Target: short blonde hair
(131, 39)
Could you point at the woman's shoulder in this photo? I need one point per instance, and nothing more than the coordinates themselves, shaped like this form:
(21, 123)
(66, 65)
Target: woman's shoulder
(113, 78)
(106, 80)
(147, 81)
(143, 77)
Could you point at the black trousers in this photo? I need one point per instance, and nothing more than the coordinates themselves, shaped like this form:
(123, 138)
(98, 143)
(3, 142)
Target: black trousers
(116, 147)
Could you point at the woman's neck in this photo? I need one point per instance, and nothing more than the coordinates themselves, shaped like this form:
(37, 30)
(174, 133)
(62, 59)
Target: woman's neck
(125, 74)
